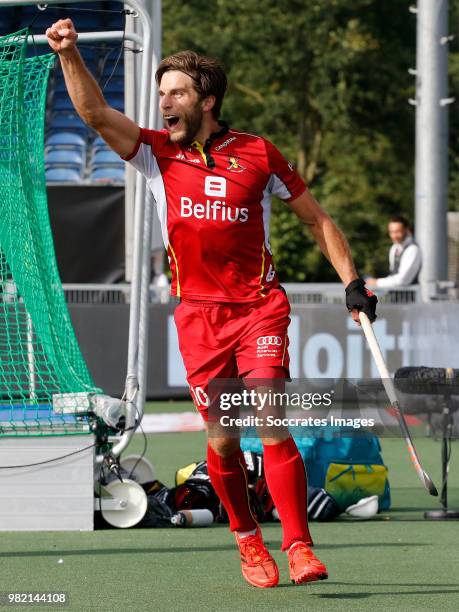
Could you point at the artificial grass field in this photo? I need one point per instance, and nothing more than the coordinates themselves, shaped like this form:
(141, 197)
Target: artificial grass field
(397, 561)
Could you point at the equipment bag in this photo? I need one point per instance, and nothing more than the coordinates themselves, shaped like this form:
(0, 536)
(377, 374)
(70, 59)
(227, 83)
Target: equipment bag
(346, 464)
(348, 483)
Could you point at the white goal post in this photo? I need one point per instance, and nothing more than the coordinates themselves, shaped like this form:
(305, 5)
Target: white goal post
(149, 42)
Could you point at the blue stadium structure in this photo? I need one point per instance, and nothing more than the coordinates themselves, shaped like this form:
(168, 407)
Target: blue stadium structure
(73, 151)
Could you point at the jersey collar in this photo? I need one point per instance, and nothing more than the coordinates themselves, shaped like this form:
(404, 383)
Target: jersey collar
(221, 132)
(205, 150)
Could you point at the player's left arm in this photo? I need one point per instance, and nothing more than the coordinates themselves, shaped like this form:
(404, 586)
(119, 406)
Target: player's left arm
(336, 249)
(327, 234)
(286, 184)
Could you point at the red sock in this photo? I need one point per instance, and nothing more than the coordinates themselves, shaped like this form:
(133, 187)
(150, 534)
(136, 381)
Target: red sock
(229, 479)
(286, 478)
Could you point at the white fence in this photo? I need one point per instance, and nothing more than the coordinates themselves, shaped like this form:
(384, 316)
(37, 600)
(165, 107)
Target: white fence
(298, 293)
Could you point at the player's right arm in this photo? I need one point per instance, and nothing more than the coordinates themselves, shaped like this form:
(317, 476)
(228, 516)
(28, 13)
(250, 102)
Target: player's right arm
(118, 131)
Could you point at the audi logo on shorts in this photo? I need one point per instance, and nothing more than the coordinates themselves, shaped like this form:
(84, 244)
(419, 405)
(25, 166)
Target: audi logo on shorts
(267, 340)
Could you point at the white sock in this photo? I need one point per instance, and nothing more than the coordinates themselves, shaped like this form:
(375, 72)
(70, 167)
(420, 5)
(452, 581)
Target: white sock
(245, 534)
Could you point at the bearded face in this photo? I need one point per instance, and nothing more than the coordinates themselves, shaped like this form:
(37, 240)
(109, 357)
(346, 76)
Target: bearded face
(180, 106)
(184, 126)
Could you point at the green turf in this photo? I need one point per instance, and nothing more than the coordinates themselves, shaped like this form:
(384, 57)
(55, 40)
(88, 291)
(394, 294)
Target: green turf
(395, 562)
(169, 406)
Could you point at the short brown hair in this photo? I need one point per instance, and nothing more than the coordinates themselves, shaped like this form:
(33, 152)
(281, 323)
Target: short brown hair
(208, 75)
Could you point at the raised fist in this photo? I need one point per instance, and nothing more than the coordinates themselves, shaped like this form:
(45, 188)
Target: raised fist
(62, 36)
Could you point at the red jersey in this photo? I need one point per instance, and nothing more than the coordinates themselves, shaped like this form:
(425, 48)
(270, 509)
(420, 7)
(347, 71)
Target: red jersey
(214, 205)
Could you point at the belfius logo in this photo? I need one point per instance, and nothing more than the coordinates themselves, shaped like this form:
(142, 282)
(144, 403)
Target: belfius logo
(213, 210)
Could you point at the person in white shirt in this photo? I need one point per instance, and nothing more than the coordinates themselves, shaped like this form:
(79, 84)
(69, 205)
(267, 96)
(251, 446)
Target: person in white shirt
(405, 258)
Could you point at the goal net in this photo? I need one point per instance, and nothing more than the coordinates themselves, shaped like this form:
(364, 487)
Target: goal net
(39, 353)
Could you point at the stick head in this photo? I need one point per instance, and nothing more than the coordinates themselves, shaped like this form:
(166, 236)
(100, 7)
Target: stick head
(430, 485)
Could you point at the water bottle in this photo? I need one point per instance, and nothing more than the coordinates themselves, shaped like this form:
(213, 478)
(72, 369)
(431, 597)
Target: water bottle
(192, 518)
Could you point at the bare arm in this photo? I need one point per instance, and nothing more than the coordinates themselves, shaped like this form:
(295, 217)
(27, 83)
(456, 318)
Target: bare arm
(332, 243)
(118, 131)
(328, 236)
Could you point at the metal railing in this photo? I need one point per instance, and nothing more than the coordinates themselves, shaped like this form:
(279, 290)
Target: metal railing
(298, 294)
(120, 293)
(333, 293)
(97, 294)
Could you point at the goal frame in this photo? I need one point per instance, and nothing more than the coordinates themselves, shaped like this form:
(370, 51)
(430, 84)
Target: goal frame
(149, 42)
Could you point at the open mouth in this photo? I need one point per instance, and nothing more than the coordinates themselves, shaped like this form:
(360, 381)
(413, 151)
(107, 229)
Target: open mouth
(171, 121)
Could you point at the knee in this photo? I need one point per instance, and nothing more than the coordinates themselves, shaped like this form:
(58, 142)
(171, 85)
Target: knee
(224, 446)
(273, 440)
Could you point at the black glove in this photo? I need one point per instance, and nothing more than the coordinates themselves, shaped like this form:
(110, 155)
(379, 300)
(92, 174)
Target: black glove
(358, 297)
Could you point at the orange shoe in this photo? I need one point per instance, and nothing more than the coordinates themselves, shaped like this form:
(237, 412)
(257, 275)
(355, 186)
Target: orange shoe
(304, 566)
(257, 565)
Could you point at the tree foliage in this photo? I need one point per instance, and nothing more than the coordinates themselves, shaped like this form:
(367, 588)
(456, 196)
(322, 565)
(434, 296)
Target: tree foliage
(327, 81)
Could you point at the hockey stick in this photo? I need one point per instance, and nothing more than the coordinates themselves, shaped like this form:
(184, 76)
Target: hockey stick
(390, 390)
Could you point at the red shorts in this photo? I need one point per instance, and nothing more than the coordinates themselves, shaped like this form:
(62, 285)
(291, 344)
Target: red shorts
(224, 340)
